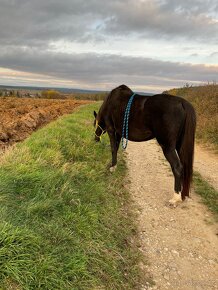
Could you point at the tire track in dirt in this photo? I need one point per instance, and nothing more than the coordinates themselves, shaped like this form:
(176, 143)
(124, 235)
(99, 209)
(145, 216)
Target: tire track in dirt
(180, 244)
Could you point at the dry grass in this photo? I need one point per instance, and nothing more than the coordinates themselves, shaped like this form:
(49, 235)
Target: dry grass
(205, 100)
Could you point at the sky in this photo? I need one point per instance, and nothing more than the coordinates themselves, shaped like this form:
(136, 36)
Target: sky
(149, 45)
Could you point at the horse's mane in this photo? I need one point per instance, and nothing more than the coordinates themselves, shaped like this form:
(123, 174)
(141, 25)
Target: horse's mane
(108, 97)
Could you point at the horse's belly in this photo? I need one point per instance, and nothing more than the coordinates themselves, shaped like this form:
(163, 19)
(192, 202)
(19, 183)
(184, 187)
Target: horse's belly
(139, 136)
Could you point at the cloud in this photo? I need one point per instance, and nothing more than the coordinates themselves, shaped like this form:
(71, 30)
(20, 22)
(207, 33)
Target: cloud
(37, 23)
(214, 54)
(93, 68)
(194, 54)
(30, 31)
(166, 19)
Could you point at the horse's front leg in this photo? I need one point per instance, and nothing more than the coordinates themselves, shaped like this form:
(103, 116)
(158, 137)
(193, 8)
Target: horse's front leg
(115, 142)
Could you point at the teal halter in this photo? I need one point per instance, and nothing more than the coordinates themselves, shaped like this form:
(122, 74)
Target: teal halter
(125, 131)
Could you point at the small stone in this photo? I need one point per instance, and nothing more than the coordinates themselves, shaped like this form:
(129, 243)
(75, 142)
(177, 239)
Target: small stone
(166, 277)
(175, 252)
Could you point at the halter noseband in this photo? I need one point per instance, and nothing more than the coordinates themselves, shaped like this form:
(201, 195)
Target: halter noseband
(102, 130)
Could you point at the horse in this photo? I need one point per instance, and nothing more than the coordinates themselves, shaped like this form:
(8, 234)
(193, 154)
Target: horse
(169, 119)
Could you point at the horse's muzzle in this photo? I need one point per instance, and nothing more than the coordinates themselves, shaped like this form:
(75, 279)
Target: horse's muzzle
(97, 139)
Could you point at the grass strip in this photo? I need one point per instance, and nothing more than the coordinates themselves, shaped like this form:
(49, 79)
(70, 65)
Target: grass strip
(65, 221)
(207, 192)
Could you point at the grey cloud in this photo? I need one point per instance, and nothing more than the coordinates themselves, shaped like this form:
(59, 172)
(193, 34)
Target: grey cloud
(191, 6)
(169, 19)
(214, 54)
(34, 23)
(93, 68)
(28, 28)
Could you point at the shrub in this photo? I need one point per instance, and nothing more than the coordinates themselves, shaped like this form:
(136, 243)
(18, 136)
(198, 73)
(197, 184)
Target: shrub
(50, 94)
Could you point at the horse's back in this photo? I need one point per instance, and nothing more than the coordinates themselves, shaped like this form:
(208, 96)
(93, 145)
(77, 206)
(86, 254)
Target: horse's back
(164, 101)
(167, 117)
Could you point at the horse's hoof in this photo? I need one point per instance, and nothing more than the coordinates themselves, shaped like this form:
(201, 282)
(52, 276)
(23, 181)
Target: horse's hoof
(172, 204)
(113, 168)
(176, 200)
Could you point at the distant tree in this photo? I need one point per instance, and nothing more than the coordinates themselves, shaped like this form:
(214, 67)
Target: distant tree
(187, 85)
(51, 94)
(12, 93)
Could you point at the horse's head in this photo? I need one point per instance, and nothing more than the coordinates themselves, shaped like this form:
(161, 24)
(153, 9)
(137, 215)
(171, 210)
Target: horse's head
(99, 127)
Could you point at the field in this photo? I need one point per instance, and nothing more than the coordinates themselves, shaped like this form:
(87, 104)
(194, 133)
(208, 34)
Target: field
(20, 117)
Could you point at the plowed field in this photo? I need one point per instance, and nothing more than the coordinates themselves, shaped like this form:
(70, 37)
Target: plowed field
(20, 117)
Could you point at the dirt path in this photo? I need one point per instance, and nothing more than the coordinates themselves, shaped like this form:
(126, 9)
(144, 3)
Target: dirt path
(181, 244)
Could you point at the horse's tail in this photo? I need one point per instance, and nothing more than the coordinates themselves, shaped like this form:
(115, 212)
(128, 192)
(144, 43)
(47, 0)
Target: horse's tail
(186, 148)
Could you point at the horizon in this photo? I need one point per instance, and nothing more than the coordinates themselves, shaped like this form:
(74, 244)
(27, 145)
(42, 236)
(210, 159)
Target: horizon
(151, 46)
(30, 87)
(45, 87)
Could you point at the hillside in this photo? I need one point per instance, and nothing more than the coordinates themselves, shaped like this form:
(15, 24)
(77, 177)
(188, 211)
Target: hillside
(205, 100)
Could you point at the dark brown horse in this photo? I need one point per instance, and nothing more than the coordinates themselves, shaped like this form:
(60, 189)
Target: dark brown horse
(169, 119)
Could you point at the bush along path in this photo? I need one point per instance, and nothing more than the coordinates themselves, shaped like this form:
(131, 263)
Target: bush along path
(65, 221)
(180, 243)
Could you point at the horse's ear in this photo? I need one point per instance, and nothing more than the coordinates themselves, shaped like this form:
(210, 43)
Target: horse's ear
(95, 114)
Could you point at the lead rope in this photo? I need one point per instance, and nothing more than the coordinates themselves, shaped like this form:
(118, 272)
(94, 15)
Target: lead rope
(126, 122)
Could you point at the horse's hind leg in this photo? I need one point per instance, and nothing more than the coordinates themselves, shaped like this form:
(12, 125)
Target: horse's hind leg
(173, 158)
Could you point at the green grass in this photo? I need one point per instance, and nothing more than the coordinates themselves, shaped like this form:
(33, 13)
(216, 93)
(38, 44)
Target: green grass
(65, 221)
(207, 192)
